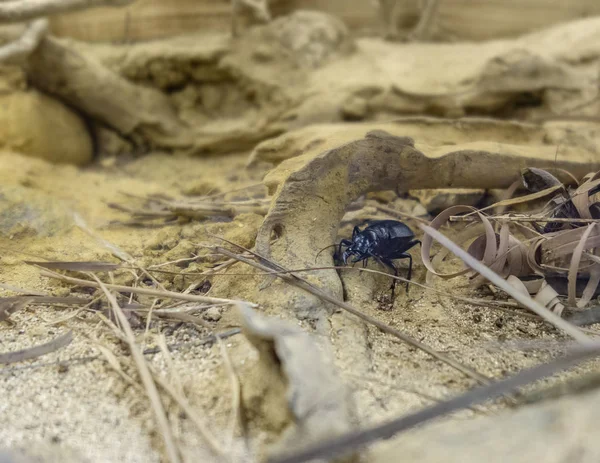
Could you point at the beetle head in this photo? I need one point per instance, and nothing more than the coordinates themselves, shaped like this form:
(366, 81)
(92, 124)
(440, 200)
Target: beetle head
(361, 245)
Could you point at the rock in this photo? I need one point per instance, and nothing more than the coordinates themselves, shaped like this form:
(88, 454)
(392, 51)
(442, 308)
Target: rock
(419, 210)
(312, 37)
(40, 126)
(28, 212)
(213, 314)
(355, 108)
(435, 201)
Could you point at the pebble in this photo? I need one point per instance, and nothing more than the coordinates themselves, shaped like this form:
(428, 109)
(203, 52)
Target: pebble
(212, 314)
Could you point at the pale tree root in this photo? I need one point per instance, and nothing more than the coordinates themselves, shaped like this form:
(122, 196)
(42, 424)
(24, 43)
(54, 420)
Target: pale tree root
(310, 200)
(141, 114)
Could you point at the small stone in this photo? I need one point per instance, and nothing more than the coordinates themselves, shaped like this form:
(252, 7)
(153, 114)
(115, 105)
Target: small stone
(419, 211)
(312, 37)
(355, 109)
(212, 314)
(63, 367)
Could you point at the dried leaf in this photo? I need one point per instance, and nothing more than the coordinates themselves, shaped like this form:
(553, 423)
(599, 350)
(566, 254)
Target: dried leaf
(558, 253)
(574, 269)
(502, 252)
(536, 180)
(77, 266)
(37, 351)
(542, 291)
(10, 305)
(15, 289)
(504, 285)
(581, 198)
(524, 199)
(427, 243)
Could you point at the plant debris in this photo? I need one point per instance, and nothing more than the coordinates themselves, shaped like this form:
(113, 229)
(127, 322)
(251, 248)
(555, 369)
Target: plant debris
(166, 209)
(37, 351)
(525, 252)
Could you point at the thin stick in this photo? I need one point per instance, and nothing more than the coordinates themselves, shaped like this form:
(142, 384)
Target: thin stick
(357, 439)
(112, 360)
(305, 285)
(497, 280)
(29, 292)
(173, 262)
(162, 344)
(148, 320)
(235, 391)
(472, 301)
(146, 291)
(513, 218)
(501, 305)
(180, 400)
(183, 317)
(213, 443)
(145, 374)
(11, 370)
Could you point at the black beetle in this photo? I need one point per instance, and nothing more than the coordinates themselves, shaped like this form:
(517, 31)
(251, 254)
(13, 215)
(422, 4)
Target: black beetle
(383, 240)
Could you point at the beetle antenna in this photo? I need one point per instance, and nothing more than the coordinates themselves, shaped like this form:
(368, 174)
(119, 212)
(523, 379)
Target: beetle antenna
(326, 247)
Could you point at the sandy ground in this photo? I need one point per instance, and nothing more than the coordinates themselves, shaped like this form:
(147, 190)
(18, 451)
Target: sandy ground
(85, 402)
(66, 406)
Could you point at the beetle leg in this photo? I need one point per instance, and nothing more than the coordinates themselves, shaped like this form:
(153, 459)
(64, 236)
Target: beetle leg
(406, 255)
(355, 232)
(390, 264)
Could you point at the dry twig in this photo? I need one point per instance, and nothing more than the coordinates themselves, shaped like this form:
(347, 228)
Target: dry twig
(358, 439)
(520, 218)
(179, 399)
(145, 291)
(145, 374)
(235, 391)
(305, 285)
